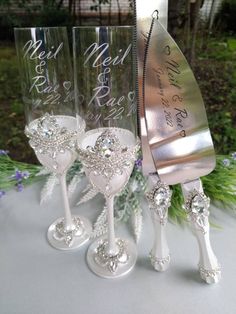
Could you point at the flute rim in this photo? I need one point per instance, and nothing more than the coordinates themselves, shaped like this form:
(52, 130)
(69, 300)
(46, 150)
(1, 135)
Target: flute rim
(103, 26)
(101, 129)
(39, 27)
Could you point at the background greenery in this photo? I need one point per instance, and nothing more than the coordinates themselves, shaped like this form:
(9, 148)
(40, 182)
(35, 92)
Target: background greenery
(210, 50)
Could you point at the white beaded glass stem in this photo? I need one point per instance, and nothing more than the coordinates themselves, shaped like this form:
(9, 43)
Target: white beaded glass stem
(108, 156)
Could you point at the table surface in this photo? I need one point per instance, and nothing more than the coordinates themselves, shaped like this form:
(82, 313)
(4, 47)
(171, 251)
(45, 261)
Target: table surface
(38, 279)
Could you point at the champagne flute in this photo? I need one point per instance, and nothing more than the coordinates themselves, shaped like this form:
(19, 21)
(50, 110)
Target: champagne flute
(53, 125)
(108, 156)
(108, 149)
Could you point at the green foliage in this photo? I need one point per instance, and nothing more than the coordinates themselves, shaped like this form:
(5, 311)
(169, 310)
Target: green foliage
(176, 211)
(225, 18)
(220, 185)
(17, 107)
(11, 108)
(8, 168)
(231, 44)
(10, 19)
(216, 73)
(52, 16)
(50, 13)
(9, 77)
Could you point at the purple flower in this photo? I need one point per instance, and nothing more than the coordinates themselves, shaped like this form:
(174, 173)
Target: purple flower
(25, 174)
(234, 156)
(3, 152)
(20, 175)
(19, 186)
(138, 163)
(2, 193)
(226, 162)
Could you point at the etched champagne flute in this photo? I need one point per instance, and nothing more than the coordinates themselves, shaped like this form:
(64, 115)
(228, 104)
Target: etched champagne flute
(108, 156)
(53, 125)
(103, 55)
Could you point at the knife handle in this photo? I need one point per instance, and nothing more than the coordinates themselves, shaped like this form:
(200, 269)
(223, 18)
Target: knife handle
(209, 267)
(158, 197)
(196, 205)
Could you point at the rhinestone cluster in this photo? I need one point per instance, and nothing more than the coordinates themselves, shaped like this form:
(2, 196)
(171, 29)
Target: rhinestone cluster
(158, 262)
(112, 262)
(108, 157)
(210, 276)
(62, 234)
(159, 199)
(197, 205)
(48, 137)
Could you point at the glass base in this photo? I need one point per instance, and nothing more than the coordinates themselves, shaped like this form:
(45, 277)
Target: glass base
(111, 266)
(63, 239)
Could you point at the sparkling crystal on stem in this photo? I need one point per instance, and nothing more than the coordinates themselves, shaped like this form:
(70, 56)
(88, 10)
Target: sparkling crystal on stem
(198, 204)
(161, 197)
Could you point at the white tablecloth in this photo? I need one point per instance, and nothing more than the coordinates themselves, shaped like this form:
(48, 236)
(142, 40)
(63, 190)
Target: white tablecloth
(38, 279)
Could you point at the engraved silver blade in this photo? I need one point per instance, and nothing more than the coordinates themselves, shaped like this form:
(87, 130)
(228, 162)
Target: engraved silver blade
(175, 116)
(177, 126)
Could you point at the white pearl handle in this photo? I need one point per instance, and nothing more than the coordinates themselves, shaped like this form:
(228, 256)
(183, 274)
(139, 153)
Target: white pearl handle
(158, 198)
(196, 205)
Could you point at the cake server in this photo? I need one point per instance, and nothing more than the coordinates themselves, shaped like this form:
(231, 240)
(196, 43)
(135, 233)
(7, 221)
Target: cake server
(176, 140)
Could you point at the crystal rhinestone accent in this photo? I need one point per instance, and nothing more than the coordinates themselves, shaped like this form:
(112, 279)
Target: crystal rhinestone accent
(161, 196)
(112, 262)
(108, 157)
(107, 147)
(197, 205)
(49, 138)
(210, 275)
(48, 126)
(159, 199)
(62, 234)
(159, 263)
